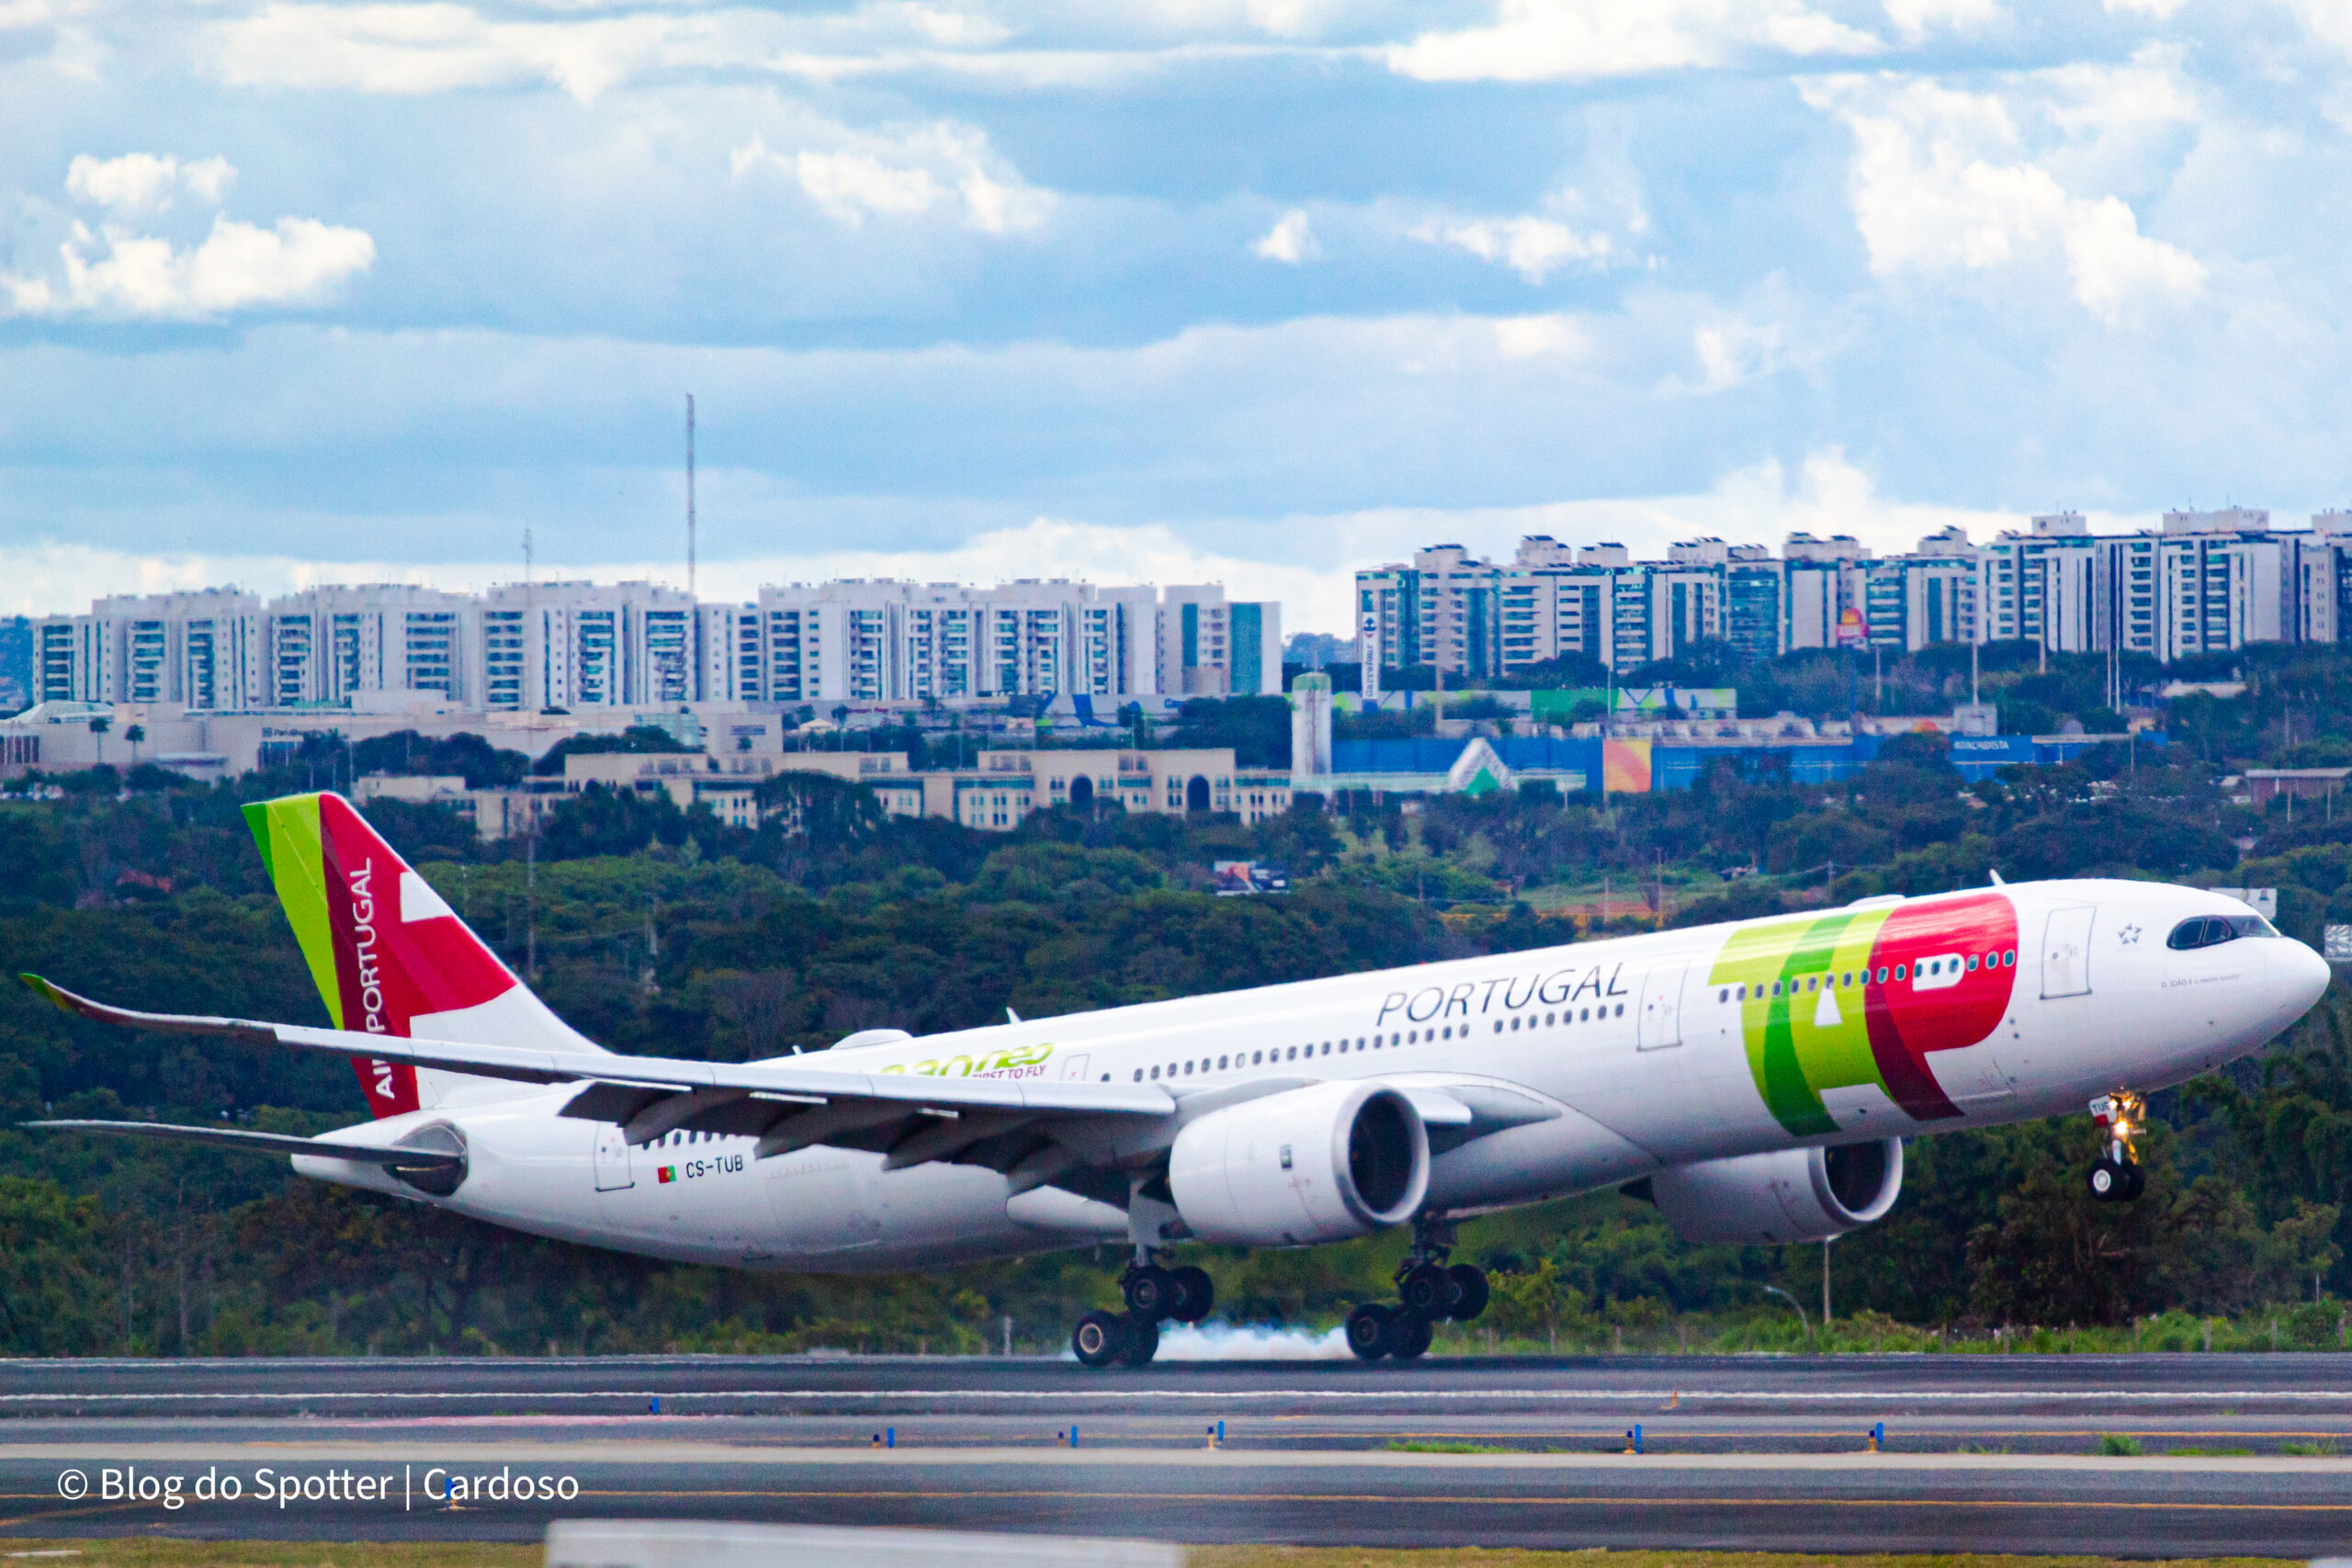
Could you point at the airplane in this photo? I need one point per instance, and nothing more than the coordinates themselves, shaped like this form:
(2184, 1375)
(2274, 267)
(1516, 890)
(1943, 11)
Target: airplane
(1755, 1080)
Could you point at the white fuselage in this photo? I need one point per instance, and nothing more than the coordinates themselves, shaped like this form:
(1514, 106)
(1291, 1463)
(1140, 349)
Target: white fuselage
(1643, 1046)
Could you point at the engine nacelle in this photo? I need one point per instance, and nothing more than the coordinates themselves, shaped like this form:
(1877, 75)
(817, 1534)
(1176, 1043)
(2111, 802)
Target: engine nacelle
(1309, 1164)
(1789, 1195)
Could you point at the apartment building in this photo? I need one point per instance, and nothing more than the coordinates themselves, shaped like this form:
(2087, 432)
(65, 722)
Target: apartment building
(2202, 583)
(585, 648)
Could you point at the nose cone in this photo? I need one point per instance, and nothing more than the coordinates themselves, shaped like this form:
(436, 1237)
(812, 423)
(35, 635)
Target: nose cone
(2300, 977)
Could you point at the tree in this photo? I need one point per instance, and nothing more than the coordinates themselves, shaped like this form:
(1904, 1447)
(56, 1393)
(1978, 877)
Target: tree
(135, 733)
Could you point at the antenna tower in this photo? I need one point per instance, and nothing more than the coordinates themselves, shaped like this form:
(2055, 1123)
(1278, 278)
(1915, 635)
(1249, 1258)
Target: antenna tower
(690, 495)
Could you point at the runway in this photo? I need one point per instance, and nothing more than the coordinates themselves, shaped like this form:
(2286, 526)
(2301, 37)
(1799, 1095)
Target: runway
(1979, 1452)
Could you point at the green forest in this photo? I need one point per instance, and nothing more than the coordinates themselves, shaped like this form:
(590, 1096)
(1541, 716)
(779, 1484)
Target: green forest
(658, 930)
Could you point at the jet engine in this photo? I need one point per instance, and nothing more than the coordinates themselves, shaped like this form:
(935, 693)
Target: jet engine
(1309, 1164)
(1789, 1195)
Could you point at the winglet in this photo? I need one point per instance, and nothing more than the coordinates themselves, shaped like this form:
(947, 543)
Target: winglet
(55, 996)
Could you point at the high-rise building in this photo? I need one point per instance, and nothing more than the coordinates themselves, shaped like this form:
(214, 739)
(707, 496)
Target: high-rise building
(2203, 582)
(572, 646)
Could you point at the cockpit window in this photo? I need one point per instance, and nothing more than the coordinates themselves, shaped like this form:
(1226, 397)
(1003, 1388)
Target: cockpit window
(2212, 930)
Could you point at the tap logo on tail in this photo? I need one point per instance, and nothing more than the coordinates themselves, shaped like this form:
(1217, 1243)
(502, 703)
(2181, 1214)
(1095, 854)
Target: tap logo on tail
(383, 948)
(1864, 997)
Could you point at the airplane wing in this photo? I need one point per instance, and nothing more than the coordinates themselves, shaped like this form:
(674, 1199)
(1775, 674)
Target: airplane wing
(998, 1122)
(1068, 1134)
(391, 1157)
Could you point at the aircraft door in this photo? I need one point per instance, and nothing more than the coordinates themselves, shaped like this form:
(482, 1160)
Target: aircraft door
(612, 1158)
(1074, 1070)
(1661, 1018)
(2066, 952)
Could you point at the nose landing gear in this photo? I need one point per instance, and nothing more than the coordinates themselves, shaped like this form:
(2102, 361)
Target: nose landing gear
(1154, 1294)
(2116, 1177)
(1432, 1291)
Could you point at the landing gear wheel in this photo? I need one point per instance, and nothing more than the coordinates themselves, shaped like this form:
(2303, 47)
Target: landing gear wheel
(1472, 1282)
(1430, 1288)
(2109, 1182)
(1150, 1293)
(1368, 1329)
(1408, 1333)
(1099, 1339)
(1142, 1342)
(2136, 1182)
(1194, 1294)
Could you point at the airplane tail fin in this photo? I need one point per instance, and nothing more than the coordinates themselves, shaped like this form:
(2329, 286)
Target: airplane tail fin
(388, 953)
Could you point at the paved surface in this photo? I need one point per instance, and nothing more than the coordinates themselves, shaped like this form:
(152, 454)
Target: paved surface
(1982, 1452)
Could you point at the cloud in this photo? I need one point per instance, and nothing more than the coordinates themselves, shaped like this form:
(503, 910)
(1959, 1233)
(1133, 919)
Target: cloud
(1758, 504)
(404, 48)
(1541, 337)
(141, 183)
(1290, 240)
(238, 266)
(1732, 350)
(1548, 41)
(1532, 247)
(943, 165)
(434, 48)
(1941, 183)
(1915, 19)
(116, 272)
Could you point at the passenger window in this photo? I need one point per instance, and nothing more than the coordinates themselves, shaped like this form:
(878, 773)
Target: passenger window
(1898, 970)
(1155, 1072)
(1971, 964)
(1139, 1075)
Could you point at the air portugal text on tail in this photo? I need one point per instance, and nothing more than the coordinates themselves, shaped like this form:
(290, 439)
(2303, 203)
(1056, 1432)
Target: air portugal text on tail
(384, 948)
(1755, 1080)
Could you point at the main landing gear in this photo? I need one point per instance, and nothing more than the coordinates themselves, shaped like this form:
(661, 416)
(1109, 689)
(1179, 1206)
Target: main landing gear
(1432, 1292)
(1154, 1294)
(2116, 1177)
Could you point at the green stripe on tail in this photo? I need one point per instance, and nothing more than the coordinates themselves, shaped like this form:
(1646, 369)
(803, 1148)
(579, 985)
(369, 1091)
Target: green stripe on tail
(286, 832)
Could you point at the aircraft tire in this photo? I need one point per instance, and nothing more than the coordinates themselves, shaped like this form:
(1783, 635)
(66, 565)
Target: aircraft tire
(1472, 1281)
(2135, 1181)
(1368, 1329)
(1100, 1339)
(2109, 1182)
(1149, 1291)
(1142, 1341)
(1408, 1333)
(1195, 1293)
(1429, 1288)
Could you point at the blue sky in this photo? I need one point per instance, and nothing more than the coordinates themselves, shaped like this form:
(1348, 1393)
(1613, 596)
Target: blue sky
(1250, 291)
